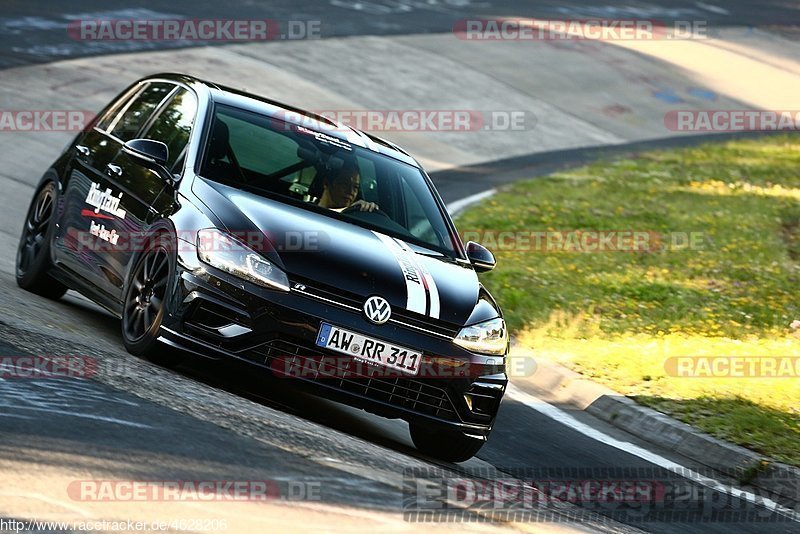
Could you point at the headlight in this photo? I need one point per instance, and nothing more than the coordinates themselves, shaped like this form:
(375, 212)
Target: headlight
(226, 253)
(488, 337)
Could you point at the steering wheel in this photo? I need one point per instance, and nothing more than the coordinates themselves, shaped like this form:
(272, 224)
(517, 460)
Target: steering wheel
(382, 221)
(356, 209)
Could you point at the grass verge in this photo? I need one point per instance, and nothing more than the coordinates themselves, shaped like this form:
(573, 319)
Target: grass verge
(703, 261)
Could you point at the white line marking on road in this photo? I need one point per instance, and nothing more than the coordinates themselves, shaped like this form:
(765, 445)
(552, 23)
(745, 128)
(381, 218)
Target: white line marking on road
(565, 419)
(714, 9)
(49, 500)
(459, 205)
(80, 415)
(18, 416)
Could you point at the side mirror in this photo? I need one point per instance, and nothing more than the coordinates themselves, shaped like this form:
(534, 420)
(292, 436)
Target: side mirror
(148, 150)
(479, 256)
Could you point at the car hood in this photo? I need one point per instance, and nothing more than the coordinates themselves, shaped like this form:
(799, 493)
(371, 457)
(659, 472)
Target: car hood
(346, 257)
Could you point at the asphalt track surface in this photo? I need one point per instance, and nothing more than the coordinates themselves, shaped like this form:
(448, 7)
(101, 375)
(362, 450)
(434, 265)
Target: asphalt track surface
(35, 32)
(145, 422)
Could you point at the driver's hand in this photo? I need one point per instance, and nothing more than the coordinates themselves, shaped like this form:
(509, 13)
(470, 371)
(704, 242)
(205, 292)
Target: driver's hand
(362, 205)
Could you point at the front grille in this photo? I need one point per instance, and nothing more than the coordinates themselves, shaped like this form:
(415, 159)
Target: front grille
(349, 300)
(412, 394)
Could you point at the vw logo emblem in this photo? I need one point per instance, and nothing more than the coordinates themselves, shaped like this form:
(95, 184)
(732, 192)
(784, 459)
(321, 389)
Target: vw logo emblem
(377, 310)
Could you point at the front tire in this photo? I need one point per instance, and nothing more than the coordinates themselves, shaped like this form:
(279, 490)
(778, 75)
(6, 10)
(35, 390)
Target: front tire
(33, 253)
(445, 445)
(144, 303)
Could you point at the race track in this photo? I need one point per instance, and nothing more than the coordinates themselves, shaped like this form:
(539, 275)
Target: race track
(208, 421)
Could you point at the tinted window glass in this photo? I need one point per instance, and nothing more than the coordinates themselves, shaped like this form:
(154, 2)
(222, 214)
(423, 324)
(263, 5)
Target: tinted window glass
(320, 172)
(136, 115)
(108, 118)
(418, 223)
(260, 149)
(369, 183)
(174, 123)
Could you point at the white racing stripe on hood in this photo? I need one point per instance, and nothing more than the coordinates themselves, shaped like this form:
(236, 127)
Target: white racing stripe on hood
(417, 300)
(430, 283)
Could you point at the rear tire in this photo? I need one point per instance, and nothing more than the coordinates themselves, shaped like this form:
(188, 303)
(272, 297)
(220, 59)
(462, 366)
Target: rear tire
(33, 253)
(445, 445)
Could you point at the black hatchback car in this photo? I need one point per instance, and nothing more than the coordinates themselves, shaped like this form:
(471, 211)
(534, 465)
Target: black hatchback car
(229, 225)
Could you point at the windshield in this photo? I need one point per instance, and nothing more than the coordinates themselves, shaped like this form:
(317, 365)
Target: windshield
(316, 171)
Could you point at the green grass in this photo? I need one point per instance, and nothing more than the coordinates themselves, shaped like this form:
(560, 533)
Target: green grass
(617, 316)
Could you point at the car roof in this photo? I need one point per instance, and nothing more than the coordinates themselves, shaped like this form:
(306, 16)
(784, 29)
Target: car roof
(294, 115)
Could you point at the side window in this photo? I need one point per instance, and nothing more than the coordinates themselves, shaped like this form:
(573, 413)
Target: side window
(111, 113)
(417, 220)
(136, 114)
(174, 123)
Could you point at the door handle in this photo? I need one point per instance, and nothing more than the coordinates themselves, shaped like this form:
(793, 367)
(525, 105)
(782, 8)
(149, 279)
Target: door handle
(114, 170)
(83, 150)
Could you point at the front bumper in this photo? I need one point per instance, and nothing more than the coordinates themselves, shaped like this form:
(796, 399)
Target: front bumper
(217, 315)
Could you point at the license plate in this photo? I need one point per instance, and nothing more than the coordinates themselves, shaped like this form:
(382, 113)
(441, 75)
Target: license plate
(369, 350)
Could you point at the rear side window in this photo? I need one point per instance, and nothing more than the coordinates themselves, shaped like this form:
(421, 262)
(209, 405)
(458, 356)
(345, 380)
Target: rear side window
(174, 123)
(132, 118)
(107, 119)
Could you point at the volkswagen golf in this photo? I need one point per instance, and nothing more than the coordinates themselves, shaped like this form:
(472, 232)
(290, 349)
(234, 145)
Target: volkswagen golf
(228, 225)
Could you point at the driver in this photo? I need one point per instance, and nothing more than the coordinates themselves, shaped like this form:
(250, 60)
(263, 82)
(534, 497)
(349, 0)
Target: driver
(340, 189)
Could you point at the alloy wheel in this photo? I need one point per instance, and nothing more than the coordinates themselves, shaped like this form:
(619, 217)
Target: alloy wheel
(146, 296)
